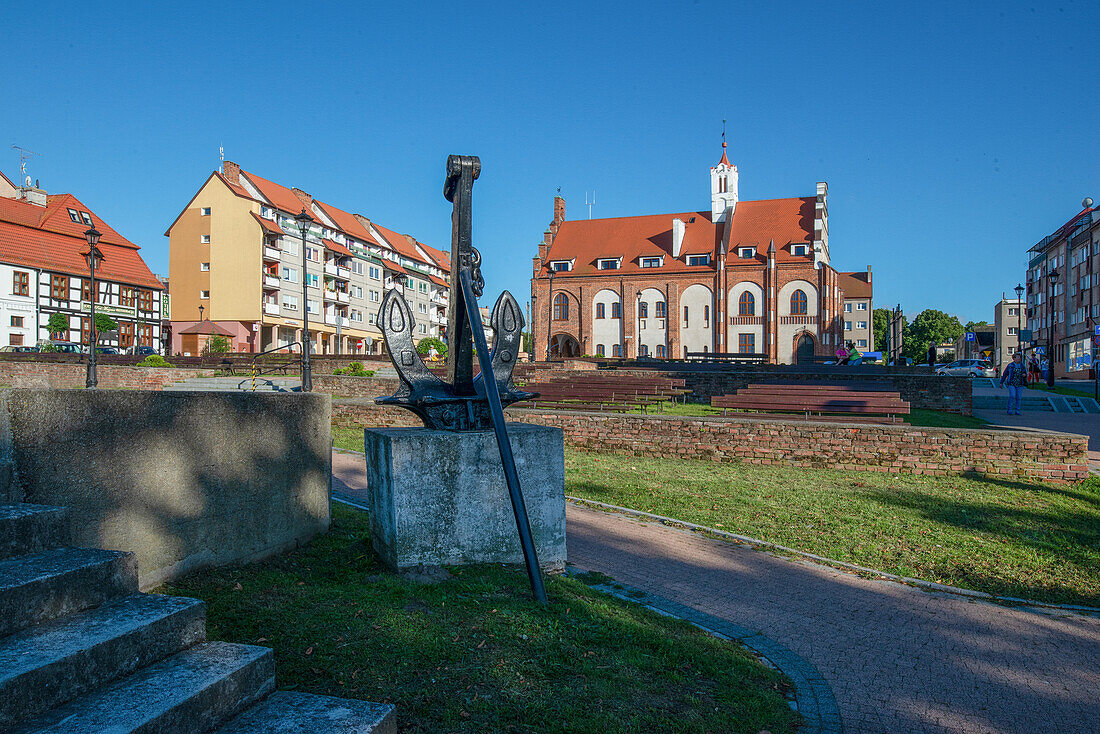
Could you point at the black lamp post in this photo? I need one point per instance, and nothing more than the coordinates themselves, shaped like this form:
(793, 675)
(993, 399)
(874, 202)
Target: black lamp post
(1052, 277)
(550, 313)
(1019, 317)
(93, 257)
(304, 220)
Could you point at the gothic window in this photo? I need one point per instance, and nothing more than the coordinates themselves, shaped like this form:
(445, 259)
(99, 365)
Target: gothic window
(659, 308)
(746, 304)
(599, 310)
(643, 310)
(798, 303)
(616, 310)
(561, 307)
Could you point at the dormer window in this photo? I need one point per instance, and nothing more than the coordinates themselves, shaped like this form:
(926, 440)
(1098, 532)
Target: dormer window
(87, 219)
(611, 263)
(651, 262)
(746, 253)
(74, 216)
(798, 249)
(561, 266)
(698, 260)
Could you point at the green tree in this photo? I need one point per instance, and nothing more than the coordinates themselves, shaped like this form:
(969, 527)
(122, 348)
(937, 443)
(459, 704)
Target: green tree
(103, 323)
(881, 320)
(424, 346)
(58, 325)
(217, 344)
(971, 324)
(930, 325)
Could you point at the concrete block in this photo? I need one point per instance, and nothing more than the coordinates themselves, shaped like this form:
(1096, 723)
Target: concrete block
(284, 712)
(28, 528)
(53, 662)
(440, 498)
(192, 691)
(61, 581)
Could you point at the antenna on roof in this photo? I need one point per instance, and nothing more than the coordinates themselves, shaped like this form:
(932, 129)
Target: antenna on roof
(24, 156)
(723, 133)
(588, 203)
(221, 157)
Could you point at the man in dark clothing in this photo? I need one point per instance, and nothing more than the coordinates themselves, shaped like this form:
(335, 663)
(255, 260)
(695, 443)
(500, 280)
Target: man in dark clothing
(932, 354)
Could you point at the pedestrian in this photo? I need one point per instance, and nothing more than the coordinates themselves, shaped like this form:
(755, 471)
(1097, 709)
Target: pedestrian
(855, 357)
(841, 355)
(1033, 369)
(1016, 378)
(931, 354)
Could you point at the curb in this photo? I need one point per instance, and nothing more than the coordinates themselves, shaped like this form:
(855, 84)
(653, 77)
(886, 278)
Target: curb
(813, 698)
(842, 565)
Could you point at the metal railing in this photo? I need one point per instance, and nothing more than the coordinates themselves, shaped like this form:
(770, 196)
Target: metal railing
(255, 369)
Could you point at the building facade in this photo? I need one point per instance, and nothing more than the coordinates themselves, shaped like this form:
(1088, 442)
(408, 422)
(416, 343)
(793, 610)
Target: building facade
(1063, 293)
(236, 252)
(1007, 321)
(858, 310)
(750, 277)
(43, 271)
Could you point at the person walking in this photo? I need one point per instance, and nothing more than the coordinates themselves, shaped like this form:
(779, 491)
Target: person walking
(932, 354)
(1033, 370)
(1015, 376)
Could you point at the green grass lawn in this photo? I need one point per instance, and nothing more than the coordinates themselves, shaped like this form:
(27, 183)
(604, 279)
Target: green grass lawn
(474, 654)
(1004, 536)
(940, 419)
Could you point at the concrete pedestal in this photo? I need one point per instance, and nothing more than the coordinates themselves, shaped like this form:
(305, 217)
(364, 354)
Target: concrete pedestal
(439, 498)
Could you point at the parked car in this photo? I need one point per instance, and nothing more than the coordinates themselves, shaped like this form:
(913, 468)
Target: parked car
(142, 351)
(968, 368)
(65, 347)
(106, 350)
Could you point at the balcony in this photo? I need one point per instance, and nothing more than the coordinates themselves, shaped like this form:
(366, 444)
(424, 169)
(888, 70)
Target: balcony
(746, 320)
(337, 271)
(342, 297)
(271, 309)
(272, 281)
(330, 295)
(272, 253)
(439, 299)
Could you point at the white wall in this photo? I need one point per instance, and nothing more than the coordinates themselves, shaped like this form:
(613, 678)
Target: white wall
(652, 330)
(699, 333)
(786, 332)
(606, 331)
(734, 311)
(18, 306)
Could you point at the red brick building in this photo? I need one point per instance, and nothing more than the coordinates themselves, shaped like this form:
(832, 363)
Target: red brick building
(746, 277)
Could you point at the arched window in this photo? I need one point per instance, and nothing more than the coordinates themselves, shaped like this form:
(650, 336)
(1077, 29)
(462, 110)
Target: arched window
(645, 351)
(561, 307)
(661, 351)
(660, 309)
(599, 310)
(643, 310)
(616, 310)
(746, 304)
(599, 350)
(798, 303)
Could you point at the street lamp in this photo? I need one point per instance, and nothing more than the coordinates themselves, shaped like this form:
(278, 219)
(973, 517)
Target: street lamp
(93, 257)
(1019, 317)
(1052, 277)
(304, 220)
(550, 313)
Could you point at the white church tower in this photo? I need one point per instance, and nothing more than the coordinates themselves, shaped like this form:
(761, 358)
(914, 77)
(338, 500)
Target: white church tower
(723, 187)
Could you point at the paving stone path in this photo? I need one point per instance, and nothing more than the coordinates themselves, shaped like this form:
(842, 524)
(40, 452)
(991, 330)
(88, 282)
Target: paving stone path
(898, 659)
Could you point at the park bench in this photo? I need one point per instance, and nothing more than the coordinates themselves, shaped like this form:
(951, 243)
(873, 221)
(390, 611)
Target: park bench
(743, 357)
(862, 402)
(594, 391)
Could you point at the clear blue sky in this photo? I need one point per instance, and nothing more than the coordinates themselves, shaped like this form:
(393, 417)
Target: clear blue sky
(953, 136)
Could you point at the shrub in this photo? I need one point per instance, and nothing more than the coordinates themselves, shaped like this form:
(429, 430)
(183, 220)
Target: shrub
(154, 360)
(425, 344)
(355, 369)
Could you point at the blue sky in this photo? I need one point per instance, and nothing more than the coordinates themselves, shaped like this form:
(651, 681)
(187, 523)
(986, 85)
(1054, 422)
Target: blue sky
(953, 136)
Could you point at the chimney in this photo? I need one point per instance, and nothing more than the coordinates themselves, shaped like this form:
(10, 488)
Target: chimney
(868, 275)
(559, 210)
(678, 230)
(32, 195)
(303, 197)
(232, 172)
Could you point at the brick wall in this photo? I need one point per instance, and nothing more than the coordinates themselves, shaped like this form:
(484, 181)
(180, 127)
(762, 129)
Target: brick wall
(61, 375)
(355, 387)
(899, 450)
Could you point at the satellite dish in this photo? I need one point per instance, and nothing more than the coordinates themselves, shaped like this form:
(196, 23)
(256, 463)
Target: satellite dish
(28, 181)
(1087, 202)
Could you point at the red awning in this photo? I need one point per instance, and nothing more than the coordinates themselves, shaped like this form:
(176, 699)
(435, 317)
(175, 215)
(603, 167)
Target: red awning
(268, 225)
(337, 248)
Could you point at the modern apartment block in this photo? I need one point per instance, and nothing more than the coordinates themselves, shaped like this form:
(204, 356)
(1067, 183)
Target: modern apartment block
(1007, 321)
(43, 271)
(1063, 292)
(859, 322)
(749, 277)
(235, 251)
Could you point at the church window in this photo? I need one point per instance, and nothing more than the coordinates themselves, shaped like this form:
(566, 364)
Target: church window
(599, 350)
(746, 304)
(599, 310)
(616, 310)
(798, 303)
(659, 309)
(561, 307)
(643, 310)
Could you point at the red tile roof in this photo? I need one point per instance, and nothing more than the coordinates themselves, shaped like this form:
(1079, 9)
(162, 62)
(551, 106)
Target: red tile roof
(206, 326)
(439, 281)
(347, 223)
(337, 248)
(54, 217)
(755, 223)
(64, 254)
(401, 243)
(394, 266)
(280, 196)
(268, 225)
(442, 259)
(854, 285)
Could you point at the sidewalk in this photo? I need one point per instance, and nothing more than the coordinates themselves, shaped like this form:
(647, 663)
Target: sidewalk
(1085, 424)
(898, 659)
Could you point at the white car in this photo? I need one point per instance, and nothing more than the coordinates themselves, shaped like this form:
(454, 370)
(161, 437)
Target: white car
(968, 368)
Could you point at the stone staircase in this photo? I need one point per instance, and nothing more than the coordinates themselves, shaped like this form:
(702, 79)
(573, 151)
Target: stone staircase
(988, 395)
(238, 383)
(81, 650)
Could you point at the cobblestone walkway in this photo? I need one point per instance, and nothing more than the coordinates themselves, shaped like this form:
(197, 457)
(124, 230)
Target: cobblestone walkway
(897, 659)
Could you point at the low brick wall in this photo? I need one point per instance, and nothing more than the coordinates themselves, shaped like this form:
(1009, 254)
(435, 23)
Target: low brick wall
(62, 375)
(1058, 457)
(344, 386)
(182, 479)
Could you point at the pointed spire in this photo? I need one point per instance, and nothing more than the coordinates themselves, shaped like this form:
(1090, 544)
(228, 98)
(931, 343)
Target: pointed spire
(724, 160)
(771, 248)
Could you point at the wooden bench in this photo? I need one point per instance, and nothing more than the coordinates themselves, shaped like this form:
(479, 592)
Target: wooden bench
(868, 403)
(604, 392)
(725, 357)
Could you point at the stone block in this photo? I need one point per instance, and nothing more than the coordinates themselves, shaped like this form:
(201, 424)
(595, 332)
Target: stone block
(440, 498)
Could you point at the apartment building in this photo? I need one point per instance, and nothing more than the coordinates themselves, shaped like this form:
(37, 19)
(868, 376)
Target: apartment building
(1007, 320)
(1063, 292)
(43, 271)
(751, 277)
(236, 252)
(858, 314)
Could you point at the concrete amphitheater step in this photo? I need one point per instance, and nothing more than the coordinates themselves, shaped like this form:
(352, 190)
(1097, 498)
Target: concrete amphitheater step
(192, 691)
(50, 584)
(54, 662)
(27, 528)
(236, 384)
(284, 712)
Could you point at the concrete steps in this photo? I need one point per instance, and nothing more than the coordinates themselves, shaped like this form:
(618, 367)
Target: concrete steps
(238, 384)
(998, 402)
(82, 651)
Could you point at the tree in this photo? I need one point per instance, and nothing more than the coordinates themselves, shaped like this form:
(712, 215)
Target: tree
(217, 344)
(881, 320)
(58, 325)
(103, 323)
(971, 324)
(424, 346)
(930, 326)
